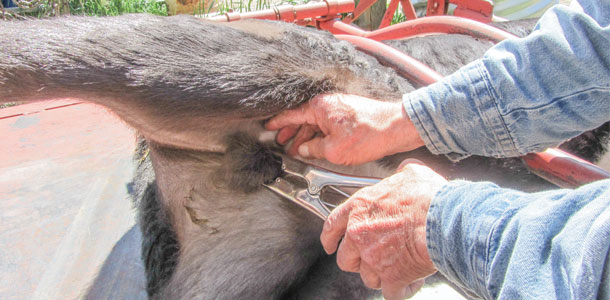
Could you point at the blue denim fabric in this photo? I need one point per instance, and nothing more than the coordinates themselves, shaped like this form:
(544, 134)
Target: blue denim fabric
(504, 244)
(526, 94)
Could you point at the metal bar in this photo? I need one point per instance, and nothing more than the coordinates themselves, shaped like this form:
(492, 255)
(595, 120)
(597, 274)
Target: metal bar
(563, 169)
(338, 27)
(362, 6)
(440, 24)
(408, 9)
(473, 15)
(422, 26)
(389, 14)
(482, 7)
(435, 8)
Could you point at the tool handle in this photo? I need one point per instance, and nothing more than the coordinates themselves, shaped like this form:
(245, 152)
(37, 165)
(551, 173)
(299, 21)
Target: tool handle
(319, 178)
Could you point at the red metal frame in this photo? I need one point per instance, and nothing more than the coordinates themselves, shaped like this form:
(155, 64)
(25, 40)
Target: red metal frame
(556, 166)
(421, 26)
(481, 11)
(563, 169)
(291, 13)
(363, 5)
(436, 8)
(389, 14)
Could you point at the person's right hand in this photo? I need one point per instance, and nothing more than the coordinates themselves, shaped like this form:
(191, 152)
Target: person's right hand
(346, 129)
(380, 231)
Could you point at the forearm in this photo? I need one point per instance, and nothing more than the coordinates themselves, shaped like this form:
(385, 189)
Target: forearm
(525, 94)
(503, 244)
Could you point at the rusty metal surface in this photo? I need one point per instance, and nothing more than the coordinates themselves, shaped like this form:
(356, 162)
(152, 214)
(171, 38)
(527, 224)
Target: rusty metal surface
(64, 207)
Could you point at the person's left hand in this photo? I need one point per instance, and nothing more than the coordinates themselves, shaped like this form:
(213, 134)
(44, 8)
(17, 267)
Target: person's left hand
(384, 231)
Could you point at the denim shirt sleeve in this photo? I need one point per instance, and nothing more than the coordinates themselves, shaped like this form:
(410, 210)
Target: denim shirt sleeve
(525, 94)
(503, 244)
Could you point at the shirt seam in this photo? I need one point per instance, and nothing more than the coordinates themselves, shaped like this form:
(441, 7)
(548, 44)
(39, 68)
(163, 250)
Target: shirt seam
(555, 100)
(488, 251)
(493, 95)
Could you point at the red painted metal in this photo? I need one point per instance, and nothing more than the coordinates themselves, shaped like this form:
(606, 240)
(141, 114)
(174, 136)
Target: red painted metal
(337, 27)
(330, 8)
(563, 169)
(402, 63)
(436, 8)
(421, 26)
(440, 24)
(363, 5)
(408, 9)
(290, 13)
(389, 14)
(478, 10)
(481, 10)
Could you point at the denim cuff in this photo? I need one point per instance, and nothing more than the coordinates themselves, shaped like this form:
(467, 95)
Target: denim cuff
(458, 234)
(458, 116)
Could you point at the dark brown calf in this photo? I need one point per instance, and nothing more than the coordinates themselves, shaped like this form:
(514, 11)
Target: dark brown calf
(199, 93)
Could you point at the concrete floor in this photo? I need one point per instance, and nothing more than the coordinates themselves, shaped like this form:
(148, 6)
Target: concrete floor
(67, 222)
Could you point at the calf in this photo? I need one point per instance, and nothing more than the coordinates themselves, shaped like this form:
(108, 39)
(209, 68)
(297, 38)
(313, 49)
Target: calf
(199, 93)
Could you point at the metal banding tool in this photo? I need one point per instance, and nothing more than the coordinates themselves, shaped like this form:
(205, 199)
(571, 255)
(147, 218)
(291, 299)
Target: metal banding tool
(303, 184)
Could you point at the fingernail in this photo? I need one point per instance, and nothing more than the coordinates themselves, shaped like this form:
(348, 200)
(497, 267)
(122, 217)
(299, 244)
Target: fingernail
(304, 150)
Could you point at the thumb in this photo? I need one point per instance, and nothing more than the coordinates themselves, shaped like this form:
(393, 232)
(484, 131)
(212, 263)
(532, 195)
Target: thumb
(313, 148)
(407, 162)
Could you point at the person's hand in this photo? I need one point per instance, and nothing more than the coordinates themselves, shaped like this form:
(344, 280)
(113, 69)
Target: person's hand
(384, 231)
(346, 129)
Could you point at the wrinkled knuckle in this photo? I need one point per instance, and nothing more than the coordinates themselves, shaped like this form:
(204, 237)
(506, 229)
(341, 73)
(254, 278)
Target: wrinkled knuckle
(365, 193)
(352, 232)
(357, 232)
